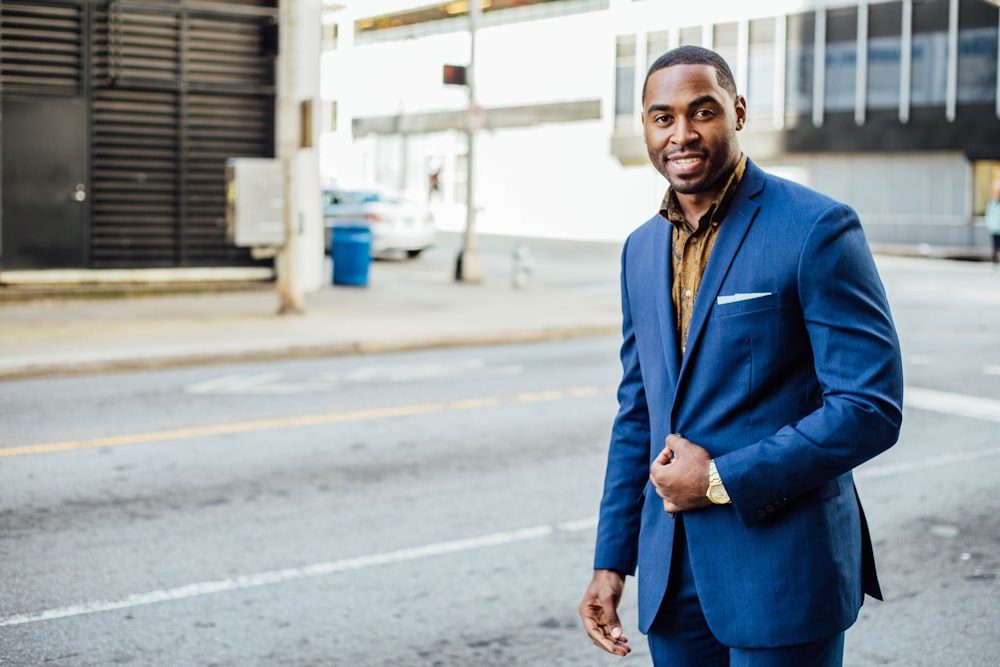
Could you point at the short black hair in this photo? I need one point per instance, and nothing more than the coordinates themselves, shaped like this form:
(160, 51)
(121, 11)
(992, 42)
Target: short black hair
(694, 55)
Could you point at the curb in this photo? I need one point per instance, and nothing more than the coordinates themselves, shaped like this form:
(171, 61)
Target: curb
(37, 371)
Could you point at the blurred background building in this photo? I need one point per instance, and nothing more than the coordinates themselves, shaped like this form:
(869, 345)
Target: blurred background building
(117, 120)
(890, 106)
(118, 116)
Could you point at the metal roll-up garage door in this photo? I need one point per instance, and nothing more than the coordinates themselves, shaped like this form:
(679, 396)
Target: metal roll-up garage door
(118, 119)
(177, 89)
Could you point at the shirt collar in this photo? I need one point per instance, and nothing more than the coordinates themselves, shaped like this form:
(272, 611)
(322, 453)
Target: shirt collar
(671, 208)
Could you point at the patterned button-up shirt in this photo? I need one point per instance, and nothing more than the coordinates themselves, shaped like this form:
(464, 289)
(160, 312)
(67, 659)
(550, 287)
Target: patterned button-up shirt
(691, 248)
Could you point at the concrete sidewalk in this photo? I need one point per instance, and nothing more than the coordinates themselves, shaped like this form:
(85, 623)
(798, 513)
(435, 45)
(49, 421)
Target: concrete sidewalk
(405, 305)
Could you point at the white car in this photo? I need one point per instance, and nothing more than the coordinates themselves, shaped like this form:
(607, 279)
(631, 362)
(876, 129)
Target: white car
(397, 225)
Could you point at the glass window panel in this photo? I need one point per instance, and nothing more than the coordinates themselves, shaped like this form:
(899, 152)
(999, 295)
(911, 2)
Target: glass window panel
(841, 66)
(624, 90)
(930, 69)
(799, 65)
(977, 14)
(724, 38)
(657, 43)
(884, 71)
(885, 19)
(625, 76)
(760, 79)
(690, 36)
(977, 65)
(841, 59)
(760, 67)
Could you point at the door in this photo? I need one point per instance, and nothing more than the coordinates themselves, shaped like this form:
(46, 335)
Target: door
(43, 222)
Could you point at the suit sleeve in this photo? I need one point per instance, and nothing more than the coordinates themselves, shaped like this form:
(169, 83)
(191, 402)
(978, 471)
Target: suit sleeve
(628, 457)
(858, 367)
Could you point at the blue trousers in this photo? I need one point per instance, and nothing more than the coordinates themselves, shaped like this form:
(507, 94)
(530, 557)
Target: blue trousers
(680, 637)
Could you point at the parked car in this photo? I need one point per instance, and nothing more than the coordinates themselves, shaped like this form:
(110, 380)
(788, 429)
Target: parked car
(398, 225)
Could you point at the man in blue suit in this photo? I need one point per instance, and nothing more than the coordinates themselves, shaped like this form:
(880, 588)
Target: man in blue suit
(756, 325)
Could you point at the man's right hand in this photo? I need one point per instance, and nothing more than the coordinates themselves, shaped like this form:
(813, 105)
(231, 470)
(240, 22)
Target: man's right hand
(599, 612)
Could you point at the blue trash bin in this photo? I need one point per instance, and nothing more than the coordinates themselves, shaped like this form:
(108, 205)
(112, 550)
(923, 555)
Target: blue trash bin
(351, 250)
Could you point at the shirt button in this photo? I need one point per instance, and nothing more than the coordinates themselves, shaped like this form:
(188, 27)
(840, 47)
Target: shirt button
(687, 293)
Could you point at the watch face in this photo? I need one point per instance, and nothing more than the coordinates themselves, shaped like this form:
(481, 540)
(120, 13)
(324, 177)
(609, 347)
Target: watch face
(717, 494)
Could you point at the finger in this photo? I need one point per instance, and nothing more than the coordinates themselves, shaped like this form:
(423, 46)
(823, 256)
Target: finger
(664, 457)
(616, 645)
(600, 630)
(677, 442)
(601, 637)
(620, 646)
(595, 622)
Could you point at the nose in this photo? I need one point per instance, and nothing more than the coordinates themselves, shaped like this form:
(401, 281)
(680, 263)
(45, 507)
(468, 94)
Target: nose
(684, 132)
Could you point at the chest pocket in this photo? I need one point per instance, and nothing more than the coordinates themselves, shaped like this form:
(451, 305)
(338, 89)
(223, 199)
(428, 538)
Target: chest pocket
(739, 304)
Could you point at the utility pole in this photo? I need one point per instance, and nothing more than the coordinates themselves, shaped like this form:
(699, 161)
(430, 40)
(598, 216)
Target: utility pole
(290, 295)
(299, 262)
(468, 267)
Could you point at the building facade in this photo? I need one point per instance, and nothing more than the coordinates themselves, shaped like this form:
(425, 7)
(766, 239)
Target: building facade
(118, 117)
(891, 106)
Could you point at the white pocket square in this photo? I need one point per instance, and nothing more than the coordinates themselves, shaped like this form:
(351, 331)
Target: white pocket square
(746, 296)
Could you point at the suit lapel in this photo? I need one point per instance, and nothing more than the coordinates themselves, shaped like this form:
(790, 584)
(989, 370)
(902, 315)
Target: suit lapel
(733, 230)
(661, 280)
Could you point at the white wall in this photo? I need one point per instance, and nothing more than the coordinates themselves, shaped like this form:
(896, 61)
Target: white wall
(555, 180)
(900, 197)
(560, 181)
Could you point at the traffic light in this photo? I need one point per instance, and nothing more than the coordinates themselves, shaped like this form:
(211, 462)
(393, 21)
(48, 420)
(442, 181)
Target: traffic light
(454, 75)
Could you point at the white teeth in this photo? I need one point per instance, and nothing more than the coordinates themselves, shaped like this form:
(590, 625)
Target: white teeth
(686, 161)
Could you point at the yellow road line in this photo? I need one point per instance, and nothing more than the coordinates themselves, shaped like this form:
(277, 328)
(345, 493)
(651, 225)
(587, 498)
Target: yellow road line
(293, 422)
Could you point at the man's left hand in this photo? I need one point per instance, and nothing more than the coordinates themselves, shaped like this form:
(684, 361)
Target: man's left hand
(680, 475)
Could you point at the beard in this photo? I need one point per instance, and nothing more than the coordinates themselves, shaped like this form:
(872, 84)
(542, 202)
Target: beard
(711, 179)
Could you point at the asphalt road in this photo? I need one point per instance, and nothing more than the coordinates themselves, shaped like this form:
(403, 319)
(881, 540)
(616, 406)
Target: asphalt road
(437, 507)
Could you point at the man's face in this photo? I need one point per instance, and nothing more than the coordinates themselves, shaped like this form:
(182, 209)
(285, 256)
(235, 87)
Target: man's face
(690, 124)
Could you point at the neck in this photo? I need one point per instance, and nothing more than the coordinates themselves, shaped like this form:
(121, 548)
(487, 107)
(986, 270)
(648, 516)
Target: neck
(695, 206)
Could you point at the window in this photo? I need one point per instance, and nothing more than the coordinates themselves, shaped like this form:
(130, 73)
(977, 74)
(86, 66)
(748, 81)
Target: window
(841, 59)
(884, 55)
(799, 66)
(625, 76)
(986, 178)
(760, 67)
(657, 43)
(977, 52)
(724, 37)
(977, 65)
(690, 36)
(930, 53)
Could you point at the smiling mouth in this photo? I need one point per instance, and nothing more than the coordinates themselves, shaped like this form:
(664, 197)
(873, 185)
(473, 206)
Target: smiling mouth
(685, 162)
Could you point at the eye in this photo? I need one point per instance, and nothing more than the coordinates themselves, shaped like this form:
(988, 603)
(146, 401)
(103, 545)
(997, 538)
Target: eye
(662, 119)
(704, 114)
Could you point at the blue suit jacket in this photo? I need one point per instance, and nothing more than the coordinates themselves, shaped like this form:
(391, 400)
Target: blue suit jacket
(792, 377)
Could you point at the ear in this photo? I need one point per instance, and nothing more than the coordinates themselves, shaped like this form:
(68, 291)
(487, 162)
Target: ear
(741, 112)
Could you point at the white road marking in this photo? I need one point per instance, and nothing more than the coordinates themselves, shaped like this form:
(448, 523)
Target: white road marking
(869, 471)
(958, 405)
(275, 383)
(924, 399)
(297, 573)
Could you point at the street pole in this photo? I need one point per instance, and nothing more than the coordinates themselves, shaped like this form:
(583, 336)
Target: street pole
(288, 283)
(468, 267)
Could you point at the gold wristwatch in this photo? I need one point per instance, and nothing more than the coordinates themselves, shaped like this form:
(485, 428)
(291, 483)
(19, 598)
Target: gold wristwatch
(716, 491)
